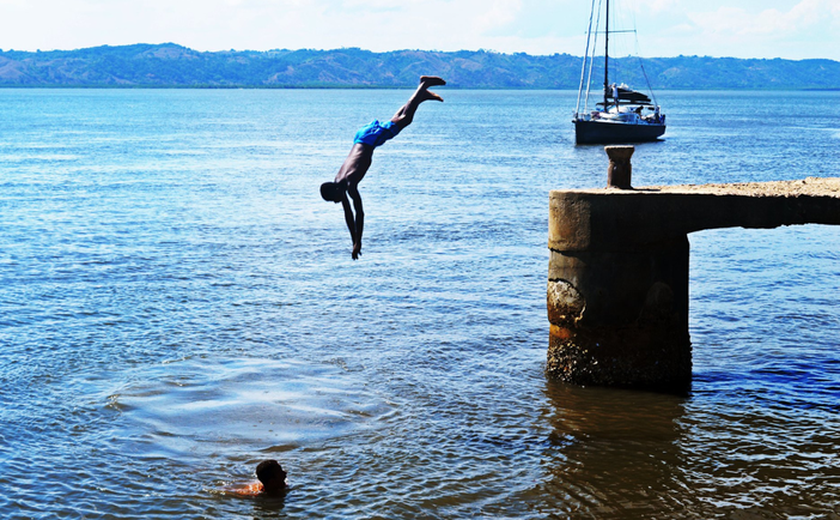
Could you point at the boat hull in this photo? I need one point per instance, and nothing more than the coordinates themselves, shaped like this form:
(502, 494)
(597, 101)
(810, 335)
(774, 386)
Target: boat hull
(611, 132)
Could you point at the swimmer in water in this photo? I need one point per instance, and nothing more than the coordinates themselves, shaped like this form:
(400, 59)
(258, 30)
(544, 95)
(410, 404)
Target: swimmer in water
(358, 161)
(272, 480)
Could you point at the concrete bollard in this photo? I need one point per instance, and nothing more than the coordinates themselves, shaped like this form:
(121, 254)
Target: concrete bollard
(620, 169)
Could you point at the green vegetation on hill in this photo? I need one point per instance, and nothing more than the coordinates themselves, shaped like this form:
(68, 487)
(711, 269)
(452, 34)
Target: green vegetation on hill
(170, 65)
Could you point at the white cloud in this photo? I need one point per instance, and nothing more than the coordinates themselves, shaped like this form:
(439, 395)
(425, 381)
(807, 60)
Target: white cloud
(499, 14)
(654, 6)
(801, 30)
(749, 28)
(738, 21)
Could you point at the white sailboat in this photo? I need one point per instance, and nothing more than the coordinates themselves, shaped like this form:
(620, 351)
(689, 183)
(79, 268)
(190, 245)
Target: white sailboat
(624, 115)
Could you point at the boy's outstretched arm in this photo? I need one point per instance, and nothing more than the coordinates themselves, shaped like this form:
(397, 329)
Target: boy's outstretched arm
(354, 223)
(360, 221)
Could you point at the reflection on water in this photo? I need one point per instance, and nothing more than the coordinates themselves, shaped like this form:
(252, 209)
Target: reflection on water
(613, 452)
(630, 454)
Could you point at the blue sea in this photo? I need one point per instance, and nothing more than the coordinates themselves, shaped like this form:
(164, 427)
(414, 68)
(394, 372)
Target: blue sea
(177, 303)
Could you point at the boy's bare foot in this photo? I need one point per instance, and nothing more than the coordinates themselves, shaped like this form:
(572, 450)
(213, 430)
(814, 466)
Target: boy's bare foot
(431, 81)
(428, 94)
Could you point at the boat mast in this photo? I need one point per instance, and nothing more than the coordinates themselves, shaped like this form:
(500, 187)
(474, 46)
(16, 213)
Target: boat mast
(607, 56)
(586, 71)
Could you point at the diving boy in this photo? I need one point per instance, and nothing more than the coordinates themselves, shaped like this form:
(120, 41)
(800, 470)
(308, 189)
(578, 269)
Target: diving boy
(359, 159)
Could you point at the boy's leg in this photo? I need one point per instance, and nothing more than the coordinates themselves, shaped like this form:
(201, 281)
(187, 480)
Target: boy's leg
(432, 81)
(405, 115)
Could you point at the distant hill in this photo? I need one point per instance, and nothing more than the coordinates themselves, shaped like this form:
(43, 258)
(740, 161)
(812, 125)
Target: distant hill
(171, 65)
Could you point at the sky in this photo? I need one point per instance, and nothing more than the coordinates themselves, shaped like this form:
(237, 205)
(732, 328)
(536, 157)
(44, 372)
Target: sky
(790, 29)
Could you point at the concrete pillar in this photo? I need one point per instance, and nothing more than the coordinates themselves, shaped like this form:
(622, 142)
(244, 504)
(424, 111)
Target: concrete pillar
(619, 316)
(618, 307)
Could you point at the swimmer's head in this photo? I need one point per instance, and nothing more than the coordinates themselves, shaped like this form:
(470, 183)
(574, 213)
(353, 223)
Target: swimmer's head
(332, 191)
(272, 476)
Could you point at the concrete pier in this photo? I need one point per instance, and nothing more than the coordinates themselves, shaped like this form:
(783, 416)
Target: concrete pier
(618, 270)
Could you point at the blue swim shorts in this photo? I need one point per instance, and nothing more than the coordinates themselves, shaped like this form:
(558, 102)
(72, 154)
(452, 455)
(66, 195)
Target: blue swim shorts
(376, 133)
